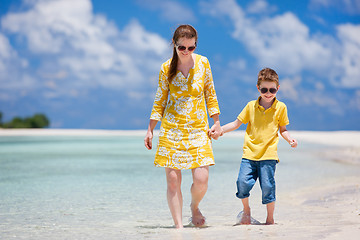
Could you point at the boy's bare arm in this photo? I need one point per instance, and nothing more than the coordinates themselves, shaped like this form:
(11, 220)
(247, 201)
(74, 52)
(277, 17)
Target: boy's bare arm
(285, 134)
(231, 126)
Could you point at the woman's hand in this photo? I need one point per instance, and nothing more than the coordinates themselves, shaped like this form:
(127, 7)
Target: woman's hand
(215, 131)
(148, 140)
(149, 134)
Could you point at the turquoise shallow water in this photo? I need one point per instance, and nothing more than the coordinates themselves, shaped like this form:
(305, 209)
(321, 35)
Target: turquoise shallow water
(107, 187)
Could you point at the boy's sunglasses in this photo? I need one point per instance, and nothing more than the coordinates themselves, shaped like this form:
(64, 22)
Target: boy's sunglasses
(183, 48)
(265, 90)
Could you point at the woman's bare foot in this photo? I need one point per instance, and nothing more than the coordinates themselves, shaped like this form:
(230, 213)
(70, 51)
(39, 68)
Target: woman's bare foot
(197, 218)
(179, 227)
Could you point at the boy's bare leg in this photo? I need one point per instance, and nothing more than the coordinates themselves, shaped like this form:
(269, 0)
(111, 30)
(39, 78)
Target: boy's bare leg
(246, 217)
(198, 190)
(174, 195)
(270, 213)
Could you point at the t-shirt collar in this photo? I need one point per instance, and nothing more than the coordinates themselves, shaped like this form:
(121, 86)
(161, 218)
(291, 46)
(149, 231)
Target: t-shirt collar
(272, 106)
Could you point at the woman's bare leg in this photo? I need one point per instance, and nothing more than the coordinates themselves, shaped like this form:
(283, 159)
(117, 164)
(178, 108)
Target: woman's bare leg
(198, 190)
(174, 195)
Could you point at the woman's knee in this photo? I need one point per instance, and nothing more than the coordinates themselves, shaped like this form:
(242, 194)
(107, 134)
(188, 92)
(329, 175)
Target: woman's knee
(201, 177)
(201, 181)
(173, 179)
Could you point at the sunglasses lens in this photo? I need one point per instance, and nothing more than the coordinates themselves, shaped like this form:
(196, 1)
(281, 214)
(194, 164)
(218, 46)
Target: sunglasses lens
(181, 48)
(273, 90)
(263, 90)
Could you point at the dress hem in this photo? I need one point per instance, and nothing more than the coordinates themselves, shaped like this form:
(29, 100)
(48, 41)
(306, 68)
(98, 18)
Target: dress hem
(159, 166)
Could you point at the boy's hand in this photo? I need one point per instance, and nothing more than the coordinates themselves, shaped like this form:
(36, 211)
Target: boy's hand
(215, 132)
(293, 143)
(215, 135)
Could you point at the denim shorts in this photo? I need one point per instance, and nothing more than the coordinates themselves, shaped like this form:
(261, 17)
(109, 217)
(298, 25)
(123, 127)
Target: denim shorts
(250, 171)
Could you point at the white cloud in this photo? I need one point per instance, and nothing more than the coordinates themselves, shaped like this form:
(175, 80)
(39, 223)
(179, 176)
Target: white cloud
(355, 102)
(12, 69)
(144, 41)
(6, 53)
(285, 43)
(238, 64)
(349, 60)
(289, 88)
(282, 41)
(227, 8)
(48, 25)
(260, 6)
(170, 10)
(5, 48)
(349, 6)
(66, 37)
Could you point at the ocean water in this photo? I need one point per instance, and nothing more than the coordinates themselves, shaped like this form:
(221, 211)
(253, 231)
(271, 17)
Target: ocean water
(93, 187)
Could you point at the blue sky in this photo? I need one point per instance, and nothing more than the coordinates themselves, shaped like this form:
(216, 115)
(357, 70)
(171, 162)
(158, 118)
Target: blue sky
(95, 64)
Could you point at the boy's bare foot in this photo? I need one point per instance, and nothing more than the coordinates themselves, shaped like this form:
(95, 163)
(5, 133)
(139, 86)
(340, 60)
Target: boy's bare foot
(245, 219)
(270, 213)
(269, 221)
(197, 218)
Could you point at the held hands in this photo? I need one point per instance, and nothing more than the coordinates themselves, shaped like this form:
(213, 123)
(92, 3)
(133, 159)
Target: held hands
(215, 131)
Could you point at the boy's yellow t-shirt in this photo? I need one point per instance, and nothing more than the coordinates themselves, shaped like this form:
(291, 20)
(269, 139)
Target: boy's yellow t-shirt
(261, 137)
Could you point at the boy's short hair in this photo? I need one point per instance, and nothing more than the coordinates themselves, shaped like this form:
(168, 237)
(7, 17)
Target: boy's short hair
(268, 74)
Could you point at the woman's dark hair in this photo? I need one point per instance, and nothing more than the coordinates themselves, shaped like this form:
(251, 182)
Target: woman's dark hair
(186, 31)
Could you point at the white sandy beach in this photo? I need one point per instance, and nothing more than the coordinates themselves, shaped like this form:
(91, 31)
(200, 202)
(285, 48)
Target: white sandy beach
(326, 210)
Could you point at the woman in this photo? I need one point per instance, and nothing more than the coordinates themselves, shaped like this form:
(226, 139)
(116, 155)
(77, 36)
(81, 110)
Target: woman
(185, 89)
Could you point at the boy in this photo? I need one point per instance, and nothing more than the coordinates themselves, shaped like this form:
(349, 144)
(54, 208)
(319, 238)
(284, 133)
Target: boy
(265, 117)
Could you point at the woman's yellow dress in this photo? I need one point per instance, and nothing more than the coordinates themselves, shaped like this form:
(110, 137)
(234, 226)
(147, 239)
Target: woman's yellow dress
(181, 108)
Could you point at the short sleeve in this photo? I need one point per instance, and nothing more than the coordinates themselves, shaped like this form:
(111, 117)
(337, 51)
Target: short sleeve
(284, 120)
(244, 116)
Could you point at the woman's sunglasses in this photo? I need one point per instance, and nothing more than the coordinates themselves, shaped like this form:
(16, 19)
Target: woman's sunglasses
(265, 90)
(183, 48)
